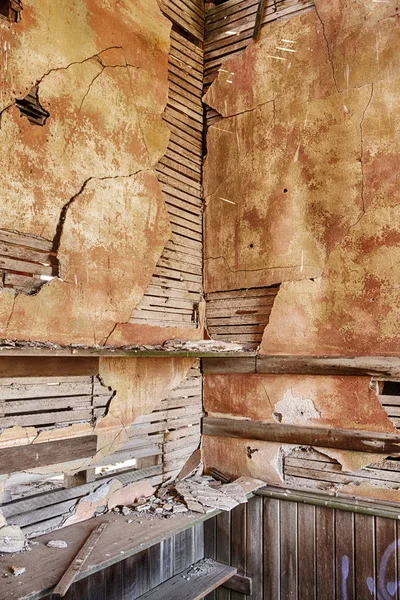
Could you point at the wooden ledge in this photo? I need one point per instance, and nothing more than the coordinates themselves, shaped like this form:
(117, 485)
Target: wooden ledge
(45, 566)
(193, 583)
(380, 367)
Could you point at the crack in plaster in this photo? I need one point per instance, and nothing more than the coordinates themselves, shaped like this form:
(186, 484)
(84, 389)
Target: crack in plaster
(261, 269)
(362, 147)
(328, 49)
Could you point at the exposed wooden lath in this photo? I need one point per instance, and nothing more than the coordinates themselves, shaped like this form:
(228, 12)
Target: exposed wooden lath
(26, 262)
(188, 14)
(240, 315)
(175, 290)
(229, 29)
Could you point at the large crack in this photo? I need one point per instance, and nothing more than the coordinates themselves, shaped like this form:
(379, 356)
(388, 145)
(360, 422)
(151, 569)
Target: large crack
(260, 269)
(362, 147)
(328, 49)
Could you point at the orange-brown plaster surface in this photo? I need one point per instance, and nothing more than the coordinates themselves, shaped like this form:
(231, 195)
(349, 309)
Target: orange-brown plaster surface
(334, 402)
(102, 73)
(302, 178)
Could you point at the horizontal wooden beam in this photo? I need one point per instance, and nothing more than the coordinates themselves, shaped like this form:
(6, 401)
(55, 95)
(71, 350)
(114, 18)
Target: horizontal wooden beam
(380, 367)
(32, 456)
(51, 366)
(342, 439)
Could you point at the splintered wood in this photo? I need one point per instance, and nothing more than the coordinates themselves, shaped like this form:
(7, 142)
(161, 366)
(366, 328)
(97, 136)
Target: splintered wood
(240, 315)
(175, 290)
(26, 262)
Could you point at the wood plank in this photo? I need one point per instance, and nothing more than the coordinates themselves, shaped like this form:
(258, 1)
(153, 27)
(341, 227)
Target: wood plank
(289, 560)
(47, 367)
(223, 553)
(191, 584)
(325, 553)
(345, 439)
(307, 573)
(344, 550)
(32, 456)
(238, 542)
(271, 548)
(254, 546)
(365, 565)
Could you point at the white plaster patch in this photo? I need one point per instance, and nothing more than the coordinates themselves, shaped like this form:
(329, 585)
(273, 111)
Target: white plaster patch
(295, 409)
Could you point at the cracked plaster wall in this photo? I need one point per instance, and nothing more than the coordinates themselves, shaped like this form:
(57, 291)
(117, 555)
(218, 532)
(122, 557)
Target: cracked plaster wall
(332, 402)
(140, 385)
(85, 179)
(302, 178)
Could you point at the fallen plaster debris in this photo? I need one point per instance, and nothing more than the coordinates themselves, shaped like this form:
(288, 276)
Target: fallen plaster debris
(17, 571)
(57, 544)
(12, 539)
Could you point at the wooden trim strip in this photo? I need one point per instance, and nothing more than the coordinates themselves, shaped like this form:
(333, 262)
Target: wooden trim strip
(388, 510)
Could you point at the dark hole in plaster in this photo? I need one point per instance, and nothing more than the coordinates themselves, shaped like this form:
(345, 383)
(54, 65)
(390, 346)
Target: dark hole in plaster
(278, 417)
(285, 191)
(251, 246)
(11, 10)
(31, 108)
(250, 451)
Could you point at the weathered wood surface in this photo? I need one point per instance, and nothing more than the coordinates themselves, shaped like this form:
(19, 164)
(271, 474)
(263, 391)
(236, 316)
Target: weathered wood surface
(47, 367)
(119, 542)
(31, 456)
(192, 584)
(344, 439)
(240, 315)
(380, 367)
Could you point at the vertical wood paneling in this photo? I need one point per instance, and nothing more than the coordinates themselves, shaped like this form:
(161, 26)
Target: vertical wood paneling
(345, 570)
(238, 543)
(306, 552)
(113, 582)
(325, 551)
(365, 570)
(271, 548)
(386, 557)
(210, 545)
(254, 545)
(223, 548)
(288, 550)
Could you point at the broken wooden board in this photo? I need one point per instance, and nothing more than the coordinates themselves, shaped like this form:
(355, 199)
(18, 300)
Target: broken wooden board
(31, 456)
(193, 583)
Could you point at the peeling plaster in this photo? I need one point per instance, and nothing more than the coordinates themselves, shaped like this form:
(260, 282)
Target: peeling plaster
(140, 385)
(334, 402)
(85, 179)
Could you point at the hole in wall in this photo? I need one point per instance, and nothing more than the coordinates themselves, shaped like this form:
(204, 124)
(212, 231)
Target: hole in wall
(11, 10)
(31, 108)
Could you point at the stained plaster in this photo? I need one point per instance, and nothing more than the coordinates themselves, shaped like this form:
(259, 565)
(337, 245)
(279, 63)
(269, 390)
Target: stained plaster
(85, 179)
(332, 402)
(301, 178)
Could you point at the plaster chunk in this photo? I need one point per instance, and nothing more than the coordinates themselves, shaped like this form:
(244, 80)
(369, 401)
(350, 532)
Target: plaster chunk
(12, 539)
